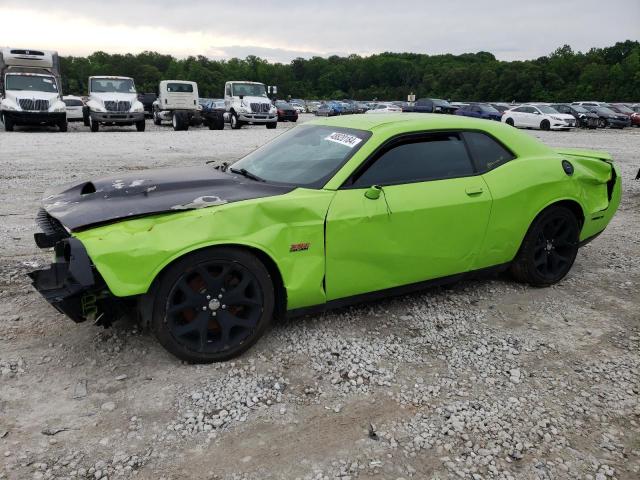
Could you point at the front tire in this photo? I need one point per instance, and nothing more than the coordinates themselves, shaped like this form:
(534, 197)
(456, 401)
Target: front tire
(156, 118)
(213, 305)
(8, 123)
(141, 125)
(93, 125)
(602, 123)
(272, 125)
(549, 249)
(545, 125)
(509, 121)
(235, 123)
(63, 126)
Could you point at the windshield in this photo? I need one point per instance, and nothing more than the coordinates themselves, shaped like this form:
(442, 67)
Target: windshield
(546, 109)
(606, 110)
(488, 108)
(32, 83)
(306, 155)
(623, 108)
(249, 90)
(117, 85)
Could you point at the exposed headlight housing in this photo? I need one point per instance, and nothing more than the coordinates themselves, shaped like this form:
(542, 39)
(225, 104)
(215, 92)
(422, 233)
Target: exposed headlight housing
(8, 106)
(137, 107)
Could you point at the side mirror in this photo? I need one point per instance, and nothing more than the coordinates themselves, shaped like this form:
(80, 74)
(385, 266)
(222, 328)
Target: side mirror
(373, 192)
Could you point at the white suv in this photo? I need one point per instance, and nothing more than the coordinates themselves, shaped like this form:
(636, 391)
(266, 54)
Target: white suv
(247, 102)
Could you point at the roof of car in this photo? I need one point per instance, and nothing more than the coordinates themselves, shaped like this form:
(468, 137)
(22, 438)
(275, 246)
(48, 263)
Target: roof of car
(408, 121)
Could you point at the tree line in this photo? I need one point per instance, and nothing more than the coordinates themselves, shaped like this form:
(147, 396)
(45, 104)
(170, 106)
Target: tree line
(609, 74)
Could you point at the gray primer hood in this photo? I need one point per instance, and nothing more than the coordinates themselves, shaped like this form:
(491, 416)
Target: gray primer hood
(103, 200)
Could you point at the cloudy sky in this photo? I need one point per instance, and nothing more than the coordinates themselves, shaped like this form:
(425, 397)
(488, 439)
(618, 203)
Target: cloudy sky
(281, 30)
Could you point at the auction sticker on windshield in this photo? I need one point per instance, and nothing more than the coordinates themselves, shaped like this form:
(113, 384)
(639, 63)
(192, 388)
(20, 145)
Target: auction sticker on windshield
(344, 139)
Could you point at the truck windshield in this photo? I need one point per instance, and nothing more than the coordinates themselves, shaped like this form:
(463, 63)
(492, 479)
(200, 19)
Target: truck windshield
(305, 156)
(249, 90)
(33, 83)
(118, 85)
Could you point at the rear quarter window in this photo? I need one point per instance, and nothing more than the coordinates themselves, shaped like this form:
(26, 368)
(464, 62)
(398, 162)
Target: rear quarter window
(487, 153)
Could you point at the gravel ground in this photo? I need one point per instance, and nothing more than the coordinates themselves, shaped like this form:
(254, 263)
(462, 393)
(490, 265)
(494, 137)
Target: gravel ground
(483, 379)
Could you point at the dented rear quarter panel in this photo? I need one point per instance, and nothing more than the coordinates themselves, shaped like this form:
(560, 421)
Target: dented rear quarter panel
(130, 254)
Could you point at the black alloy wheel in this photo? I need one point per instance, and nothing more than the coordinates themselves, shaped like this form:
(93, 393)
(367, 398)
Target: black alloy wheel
(549, 248)
(216, 307)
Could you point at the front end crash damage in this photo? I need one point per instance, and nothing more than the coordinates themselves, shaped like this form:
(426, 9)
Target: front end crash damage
(74, 288)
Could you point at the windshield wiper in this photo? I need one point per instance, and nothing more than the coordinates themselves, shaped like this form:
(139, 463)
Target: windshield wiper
(246, 174)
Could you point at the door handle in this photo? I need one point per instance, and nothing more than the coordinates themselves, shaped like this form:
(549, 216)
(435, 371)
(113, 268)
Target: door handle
(473, 190)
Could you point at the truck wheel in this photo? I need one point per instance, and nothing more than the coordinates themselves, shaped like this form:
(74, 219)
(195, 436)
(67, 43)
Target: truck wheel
(272, 125)
(212, 305)
(179, 121)
(156, 118)
(63, 126)
(8, 123)
(235, 123)
(85, 116)
(95, 126)
(140, 125)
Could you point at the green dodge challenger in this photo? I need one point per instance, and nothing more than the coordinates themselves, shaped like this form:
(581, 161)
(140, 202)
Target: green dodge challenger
(330, 213)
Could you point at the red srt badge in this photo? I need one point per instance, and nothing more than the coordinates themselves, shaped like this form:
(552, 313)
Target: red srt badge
(299, 247)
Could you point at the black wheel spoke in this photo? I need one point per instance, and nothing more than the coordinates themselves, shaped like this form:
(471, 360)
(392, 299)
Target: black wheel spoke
(228, 321)
(214, 284)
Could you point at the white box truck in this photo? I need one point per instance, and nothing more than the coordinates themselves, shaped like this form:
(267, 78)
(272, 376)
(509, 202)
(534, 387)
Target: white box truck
(30, 89)
(177, 102)
(113, 101)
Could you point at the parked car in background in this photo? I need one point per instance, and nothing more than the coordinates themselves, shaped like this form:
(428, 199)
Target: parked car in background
(212, 113)
(298, 107)
(590, 103)
(313, 106)
(503, 107)
(147, 100)
(329, 109)
(538, 116)
(430, 105)
(479, 110)
(384, 108)
(286, 111)
(625, 110)
(584, 118)
(74, 108)
(609, 118)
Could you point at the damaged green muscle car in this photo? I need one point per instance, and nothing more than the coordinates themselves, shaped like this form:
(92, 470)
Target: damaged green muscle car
(332, 212)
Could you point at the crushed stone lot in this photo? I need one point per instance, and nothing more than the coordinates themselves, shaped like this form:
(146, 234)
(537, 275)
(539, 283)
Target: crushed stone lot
(482, 379)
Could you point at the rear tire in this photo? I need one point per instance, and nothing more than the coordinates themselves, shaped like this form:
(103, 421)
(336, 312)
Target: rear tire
(216, 124)
(548, 249)
(509, 121)
(602, 123)
(212, 305)
(8, 123)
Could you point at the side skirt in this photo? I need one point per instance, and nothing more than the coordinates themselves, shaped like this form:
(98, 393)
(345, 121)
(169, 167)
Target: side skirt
(396, 291)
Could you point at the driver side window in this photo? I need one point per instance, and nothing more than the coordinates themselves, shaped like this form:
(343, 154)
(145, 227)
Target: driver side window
(418, 159)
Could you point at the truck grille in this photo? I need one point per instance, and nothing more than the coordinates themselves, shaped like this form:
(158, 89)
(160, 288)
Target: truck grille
(34, 105)
(121, 106)
(260, 107)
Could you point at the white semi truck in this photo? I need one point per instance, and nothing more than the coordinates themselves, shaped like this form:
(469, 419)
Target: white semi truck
(177, 102)
(113, 101)
(247, 102)
(30, 89)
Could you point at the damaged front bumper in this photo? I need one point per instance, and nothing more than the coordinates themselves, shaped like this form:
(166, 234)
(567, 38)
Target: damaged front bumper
(73, 287)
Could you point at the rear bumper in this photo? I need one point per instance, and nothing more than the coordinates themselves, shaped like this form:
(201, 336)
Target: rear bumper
(35, 118)
(116, 117)
(68, 282)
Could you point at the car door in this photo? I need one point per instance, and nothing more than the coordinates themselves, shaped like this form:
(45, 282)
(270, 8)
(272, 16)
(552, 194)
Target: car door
(425, 219)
